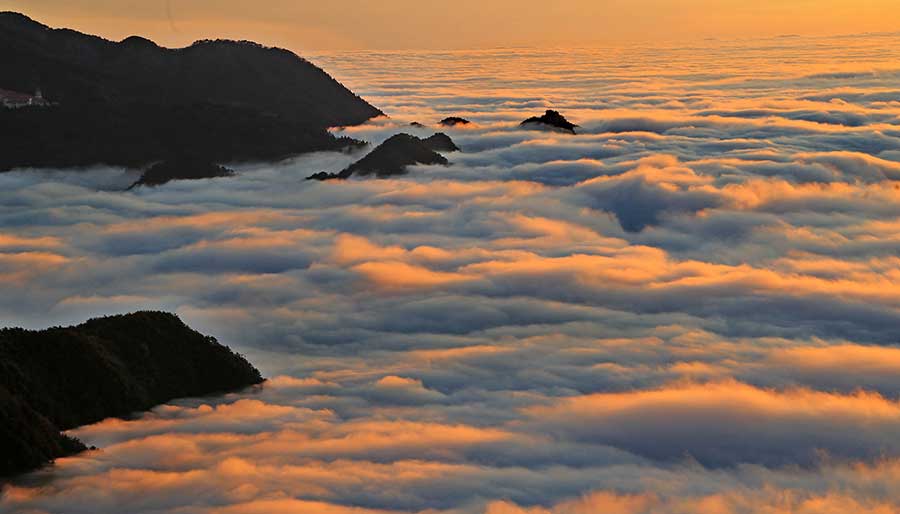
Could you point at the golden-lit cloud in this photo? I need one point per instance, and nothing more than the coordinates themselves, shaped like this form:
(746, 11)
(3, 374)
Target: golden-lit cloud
(722, 422)
(689, 306)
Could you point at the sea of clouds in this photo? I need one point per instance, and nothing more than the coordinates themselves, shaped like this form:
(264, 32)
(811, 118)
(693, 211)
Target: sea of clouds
(692, 306)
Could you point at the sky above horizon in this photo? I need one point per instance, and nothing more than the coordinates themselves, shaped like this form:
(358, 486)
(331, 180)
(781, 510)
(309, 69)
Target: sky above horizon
(409, 24)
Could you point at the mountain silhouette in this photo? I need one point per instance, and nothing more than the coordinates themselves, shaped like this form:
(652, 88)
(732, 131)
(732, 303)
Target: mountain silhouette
(180, 169)
(453, 121)
(394, 155)
(552, 119)
(61, 378)
(441, 142)
(133, 102)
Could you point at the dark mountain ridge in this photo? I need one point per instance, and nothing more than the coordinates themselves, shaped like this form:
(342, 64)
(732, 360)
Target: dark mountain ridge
(61, 378)
(229, 99)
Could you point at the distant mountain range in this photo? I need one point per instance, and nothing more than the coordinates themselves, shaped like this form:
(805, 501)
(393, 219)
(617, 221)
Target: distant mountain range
(62, 378)
(133, 103)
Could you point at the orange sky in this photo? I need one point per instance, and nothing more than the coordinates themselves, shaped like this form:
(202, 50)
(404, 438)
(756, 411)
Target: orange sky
(417, 24)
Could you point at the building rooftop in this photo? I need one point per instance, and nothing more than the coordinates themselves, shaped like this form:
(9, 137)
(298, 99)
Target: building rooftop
(6, 94)
(14, 98)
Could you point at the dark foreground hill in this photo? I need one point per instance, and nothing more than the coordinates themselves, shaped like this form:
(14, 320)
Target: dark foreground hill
(61, 378)
(132, 103)
(394, 155)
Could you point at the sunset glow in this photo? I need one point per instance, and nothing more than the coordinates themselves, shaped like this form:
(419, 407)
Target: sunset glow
(690, 304)
(468, 24)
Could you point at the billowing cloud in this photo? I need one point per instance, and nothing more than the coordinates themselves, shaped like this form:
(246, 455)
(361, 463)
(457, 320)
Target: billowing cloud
(728, 422)
(691, 306)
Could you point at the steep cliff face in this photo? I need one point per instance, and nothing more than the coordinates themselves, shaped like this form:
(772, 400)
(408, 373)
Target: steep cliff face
(61, 378)
(219, 99)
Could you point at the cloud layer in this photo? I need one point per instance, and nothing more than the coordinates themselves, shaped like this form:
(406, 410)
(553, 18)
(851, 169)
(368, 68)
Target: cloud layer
(691, 306)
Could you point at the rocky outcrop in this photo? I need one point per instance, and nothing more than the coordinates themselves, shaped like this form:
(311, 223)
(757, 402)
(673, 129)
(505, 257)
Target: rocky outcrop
(441, 142)
(393, 157)
(551, 119)
(180, 169)
(453, 121)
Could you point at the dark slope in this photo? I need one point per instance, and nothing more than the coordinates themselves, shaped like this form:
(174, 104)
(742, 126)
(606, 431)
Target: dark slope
(551, 119)
(61, 378)
(27, 439)
(393, 156)
(137, 135)
(228, 99)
